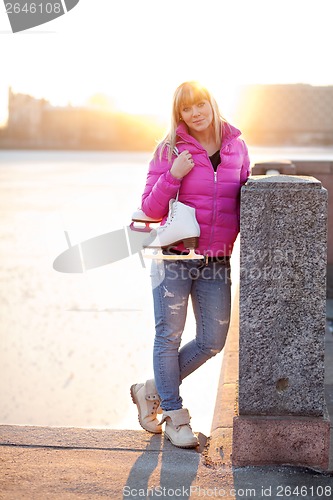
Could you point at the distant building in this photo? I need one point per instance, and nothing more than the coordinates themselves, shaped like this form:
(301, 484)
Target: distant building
(25, 116)
(266, 114)
(287, 114)
(35, 123)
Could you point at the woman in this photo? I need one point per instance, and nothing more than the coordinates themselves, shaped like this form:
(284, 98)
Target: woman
(204, 160)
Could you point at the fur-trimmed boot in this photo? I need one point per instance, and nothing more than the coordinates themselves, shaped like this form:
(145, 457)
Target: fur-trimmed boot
(147, 400)
(178, 429)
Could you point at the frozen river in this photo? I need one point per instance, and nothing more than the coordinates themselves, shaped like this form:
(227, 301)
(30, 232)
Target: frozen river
(72, 344)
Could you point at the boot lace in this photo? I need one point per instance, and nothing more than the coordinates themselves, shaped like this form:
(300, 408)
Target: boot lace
(155, 406)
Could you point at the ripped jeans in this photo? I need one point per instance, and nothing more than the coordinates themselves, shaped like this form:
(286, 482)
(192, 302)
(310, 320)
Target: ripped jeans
(173, 283)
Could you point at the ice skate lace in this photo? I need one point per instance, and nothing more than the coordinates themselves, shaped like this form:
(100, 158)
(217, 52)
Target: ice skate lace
(171, 214)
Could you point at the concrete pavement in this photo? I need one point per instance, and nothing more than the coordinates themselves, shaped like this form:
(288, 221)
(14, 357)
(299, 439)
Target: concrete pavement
(50, 463)
(41, 463)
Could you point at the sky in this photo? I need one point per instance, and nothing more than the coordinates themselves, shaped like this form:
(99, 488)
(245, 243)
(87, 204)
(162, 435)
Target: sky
(138, 51)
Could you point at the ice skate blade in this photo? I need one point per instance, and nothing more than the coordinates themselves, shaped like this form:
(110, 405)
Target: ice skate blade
(140, 228)
(162, 256)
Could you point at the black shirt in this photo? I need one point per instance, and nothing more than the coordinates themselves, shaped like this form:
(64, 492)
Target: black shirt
(215, 160)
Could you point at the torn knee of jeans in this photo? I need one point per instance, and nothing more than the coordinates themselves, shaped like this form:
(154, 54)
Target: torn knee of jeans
(167, 293)
(176, 307)
(222, 322)
(211, 351)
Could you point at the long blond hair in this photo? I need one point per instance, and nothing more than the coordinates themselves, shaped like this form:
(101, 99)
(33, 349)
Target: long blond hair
(188, 93)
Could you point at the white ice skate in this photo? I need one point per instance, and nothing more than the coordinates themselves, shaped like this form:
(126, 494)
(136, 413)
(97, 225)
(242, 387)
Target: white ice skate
(180, 226)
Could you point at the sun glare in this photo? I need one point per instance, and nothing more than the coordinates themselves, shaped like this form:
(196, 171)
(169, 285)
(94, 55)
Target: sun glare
(125, 51)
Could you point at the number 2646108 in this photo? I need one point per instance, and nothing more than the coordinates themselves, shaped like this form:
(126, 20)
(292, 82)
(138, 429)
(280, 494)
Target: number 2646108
(33, 8)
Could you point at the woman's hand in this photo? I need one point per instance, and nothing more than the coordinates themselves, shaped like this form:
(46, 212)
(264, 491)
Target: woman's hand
(182, 165)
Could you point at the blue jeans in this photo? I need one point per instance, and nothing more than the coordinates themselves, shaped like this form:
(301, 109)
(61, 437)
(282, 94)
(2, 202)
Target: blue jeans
(209, 288)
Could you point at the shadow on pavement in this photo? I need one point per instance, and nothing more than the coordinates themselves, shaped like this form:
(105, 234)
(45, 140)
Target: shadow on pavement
(164, 470)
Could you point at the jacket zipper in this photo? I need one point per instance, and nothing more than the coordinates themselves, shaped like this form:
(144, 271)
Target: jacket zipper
(214, 208)
(214, 195)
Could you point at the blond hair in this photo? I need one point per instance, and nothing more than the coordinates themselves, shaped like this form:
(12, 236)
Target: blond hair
(188, 93)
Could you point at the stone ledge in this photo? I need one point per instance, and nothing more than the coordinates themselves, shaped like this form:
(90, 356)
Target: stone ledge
(294, 167)
(219, 449)
(290, 182)
(313, 167)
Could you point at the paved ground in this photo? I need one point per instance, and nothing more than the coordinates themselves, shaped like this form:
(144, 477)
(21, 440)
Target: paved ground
(50, 463)
(40, 463)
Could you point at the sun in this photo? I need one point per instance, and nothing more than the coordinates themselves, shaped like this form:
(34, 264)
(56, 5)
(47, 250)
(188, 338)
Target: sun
(126, 51)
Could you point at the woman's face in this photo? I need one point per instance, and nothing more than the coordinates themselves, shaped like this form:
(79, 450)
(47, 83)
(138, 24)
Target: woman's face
(198, 116)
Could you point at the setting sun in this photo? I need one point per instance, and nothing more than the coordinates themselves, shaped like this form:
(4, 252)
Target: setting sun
(136, 53)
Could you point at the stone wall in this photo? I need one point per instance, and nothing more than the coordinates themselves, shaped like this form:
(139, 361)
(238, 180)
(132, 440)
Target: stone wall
(283, 248)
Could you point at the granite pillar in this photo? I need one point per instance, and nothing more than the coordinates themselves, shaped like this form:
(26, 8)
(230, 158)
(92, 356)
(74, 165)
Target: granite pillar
(283, 254)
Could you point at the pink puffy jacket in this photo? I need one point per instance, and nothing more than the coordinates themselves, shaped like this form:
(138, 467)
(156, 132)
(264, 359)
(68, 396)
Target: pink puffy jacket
(214, 195)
